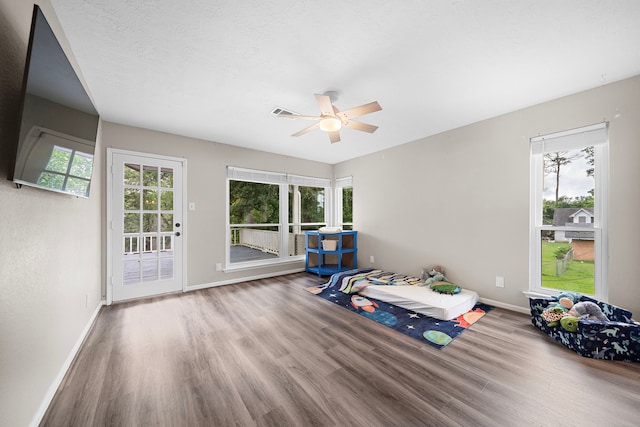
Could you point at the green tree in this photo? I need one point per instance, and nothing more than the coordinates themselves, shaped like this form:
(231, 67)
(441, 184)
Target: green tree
(347, 204)
(253, 203)
(312, 201)
(553, 163)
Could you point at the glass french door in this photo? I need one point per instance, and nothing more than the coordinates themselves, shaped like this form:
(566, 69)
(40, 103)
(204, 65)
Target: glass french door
(147, 226)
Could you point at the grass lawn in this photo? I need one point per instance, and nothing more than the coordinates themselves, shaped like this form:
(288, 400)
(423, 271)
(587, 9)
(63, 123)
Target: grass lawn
(578, 277)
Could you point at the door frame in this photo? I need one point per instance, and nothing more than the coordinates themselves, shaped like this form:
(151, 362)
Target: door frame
(109, 223)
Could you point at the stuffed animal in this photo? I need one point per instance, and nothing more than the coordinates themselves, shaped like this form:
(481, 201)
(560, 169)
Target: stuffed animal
(433, 274)
(434, 278)
(567, 299)
(588, 310)
(567, 314)
(553, 315)
(569, 323)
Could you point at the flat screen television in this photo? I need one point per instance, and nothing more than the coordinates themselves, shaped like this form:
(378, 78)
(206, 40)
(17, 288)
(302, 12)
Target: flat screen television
(59, 124)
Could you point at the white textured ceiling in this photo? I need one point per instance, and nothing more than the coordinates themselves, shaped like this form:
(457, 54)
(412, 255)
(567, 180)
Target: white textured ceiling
(215, 69)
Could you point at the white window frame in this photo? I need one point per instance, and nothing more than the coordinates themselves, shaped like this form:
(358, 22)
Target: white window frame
(340, 183)
(596, 136)
(283, 180)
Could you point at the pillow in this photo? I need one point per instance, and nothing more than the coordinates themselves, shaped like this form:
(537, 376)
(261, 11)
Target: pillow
(446, 288)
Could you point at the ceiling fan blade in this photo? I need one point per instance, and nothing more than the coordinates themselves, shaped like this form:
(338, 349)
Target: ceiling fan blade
(324, 102)
(299, 116)
(365, 127)
(334, 136)
(307, 129)
(359, 111)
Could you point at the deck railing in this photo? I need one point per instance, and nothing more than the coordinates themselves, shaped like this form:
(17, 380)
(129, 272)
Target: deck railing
(266, 240)
(136, 243)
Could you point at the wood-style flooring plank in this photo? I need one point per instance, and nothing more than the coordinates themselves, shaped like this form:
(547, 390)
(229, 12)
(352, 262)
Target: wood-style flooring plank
(268, 353)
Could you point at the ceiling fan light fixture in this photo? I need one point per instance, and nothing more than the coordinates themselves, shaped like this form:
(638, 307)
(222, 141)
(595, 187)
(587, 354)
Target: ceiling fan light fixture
(330, 124)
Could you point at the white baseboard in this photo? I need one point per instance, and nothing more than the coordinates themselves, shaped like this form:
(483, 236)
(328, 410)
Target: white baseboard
(506, 306)
(37, 418)
(242, 279)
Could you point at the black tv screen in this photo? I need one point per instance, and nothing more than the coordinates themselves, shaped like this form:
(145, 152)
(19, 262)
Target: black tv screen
(59, 123)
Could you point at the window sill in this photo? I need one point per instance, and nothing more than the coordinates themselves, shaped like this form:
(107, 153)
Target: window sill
(252, 265)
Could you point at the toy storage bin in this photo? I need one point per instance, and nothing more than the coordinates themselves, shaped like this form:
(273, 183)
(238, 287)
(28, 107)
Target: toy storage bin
(329, 245)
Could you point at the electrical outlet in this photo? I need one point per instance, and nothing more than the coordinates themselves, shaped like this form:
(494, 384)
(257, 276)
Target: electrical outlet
(372, 259)
(499, 281)
(218, 266)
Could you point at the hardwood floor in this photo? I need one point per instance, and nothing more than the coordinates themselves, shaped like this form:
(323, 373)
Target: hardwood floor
(268, 353)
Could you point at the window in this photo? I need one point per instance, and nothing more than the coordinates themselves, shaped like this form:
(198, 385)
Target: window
(67, 170)
(568, 248)
(268, 213)
(344, 203)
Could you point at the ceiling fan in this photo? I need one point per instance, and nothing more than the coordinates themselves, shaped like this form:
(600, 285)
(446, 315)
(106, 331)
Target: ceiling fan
(331, 120)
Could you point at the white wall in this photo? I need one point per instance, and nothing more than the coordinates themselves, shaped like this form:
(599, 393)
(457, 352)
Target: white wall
(461, 198)
(50, 251)
(206, 179)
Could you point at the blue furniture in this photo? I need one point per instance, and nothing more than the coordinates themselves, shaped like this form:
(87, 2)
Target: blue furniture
(617, 339)
(327, 261)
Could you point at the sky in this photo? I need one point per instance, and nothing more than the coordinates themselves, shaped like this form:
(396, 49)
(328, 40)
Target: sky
(573, 179)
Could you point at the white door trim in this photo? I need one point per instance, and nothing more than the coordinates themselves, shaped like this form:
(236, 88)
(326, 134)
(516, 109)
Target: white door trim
(109, 224)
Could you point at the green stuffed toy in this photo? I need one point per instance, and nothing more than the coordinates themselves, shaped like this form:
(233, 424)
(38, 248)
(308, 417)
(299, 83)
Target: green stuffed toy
(569, 323)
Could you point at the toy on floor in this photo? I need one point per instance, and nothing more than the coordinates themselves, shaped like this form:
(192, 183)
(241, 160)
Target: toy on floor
(567, 310)
(588, 310)
(434, 278)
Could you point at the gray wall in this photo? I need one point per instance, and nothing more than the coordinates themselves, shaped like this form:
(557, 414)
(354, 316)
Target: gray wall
(461, 198)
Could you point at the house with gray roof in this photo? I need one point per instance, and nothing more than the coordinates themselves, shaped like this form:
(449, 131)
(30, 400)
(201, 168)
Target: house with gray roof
(582, 242)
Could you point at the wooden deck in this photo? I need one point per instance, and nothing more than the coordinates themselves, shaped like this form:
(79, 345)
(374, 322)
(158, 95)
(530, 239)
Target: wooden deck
(242, 254)
(148, 262)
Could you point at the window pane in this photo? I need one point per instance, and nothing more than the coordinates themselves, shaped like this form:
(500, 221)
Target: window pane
(51, 180)
(149, 223)
(569, 266)
(167, 222)
(312, 203)
(131, 199)
(131, 223)
(131, 174)
(166, 178)
(166, 200)
(347, 204)
(150, 176)
(81, 165)
(253, 203)
(59, 160)
(78, 186)
(149, 270)
(150, 200)
(167, 243)
(306, 204)
(130, 272)
(131, 244)
(568, 182)
(166, 268)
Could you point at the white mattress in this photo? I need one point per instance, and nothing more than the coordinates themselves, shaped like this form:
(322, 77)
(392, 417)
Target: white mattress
(423, 300)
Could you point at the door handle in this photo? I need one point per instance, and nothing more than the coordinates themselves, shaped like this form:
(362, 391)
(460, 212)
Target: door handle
(177, 224)
(177, 233)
